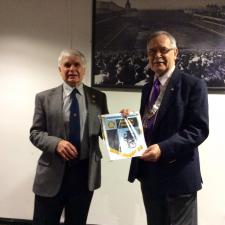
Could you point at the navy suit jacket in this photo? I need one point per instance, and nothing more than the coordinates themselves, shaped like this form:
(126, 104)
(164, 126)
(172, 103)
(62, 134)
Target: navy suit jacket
(181, 126)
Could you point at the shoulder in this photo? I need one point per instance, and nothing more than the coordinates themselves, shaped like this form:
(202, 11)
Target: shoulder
(49, 91)
(189, 80)
(93, 91)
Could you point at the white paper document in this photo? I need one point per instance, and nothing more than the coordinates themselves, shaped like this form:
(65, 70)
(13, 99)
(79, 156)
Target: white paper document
(124, 137)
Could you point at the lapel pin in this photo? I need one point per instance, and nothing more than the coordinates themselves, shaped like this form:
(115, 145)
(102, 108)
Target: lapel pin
(93, 99)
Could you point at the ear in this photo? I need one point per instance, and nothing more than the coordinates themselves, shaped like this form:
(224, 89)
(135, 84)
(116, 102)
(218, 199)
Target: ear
(175, 53)
(84, 70)
(59, 69)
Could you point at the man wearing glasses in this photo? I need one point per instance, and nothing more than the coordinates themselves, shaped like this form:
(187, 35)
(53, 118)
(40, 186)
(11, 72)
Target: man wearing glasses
(174, 110)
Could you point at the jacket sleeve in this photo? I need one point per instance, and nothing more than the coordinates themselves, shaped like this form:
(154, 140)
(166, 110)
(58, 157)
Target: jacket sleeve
(38, 132)
(104, 110)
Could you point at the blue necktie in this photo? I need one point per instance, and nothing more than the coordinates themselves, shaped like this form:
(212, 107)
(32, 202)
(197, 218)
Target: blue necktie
(74, 123)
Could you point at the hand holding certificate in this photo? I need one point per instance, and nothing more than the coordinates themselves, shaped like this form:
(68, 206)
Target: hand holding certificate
(123, 135)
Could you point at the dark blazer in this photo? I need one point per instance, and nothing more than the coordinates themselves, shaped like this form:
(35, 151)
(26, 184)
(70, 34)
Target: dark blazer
(181, 126)
(48, 129)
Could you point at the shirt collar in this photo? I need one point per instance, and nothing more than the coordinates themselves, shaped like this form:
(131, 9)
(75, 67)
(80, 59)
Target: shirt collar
(163, 79)
(67, 89)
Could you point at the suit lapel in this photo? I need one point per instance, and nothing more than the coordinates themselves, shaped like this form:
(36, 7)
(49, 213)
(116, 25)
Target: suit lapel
(145, 96)
(169, 96)
(91, 106)
(57, 95)
(56, 103)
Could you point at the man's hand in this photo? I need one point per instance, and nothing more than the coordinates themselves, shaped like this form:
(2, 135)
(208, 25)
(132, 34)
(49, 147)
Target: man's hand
(125, 112)
(66, 150)
(152, 153)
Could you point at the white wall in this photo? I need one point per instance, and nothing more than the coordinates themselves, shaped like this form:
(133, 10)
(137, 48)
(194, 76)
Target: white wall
(32, 34)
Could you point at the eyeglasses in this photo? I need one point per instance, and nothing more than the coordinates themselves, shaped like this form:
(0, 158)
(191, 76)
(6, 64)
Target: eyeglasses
(163, 51)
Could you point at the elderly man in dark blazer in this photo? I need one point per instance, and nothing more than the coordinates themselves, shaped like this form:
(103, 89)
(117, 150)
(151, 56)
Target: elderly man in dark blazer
(66, 129)
(175, 124)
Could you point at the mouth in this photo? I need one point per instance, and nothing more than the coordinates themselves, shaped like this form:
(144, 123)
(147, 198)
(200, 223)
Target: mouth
(158, 62)
(72, 75)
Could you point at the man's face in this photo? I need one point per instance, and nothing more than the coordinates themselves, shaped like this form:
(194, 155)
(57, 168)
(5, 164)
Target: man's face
(161, 55)
(72, 70)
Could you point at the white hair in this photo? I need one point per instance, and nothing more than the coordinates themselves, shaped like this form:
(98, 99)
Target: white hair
(71, 52)
(162, 32)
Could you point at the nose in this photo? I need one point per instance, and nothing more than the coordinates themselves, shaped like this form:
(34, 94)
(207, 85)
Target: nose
(158, 54)
(72, 67)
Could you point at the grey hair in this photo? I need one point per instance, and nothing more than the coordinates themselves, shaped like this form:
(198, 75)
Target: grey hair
(172, 39)
(71, 52)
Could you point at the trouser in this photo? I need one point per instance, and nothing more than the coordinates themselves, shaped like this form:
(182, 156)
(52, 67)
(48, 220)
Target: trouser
(170, 210)
(74, 197)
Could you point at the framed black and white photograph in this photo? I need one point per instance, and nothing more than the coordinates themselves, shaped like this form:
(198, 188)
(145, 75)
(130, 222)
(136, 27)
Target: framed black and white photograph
(121, 29)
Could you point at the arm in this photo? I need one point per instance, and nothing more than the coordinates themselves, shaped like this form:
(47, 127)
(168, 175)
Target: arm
(38, 131)
(194, 129)
(105, 106)
(39, 134)
(104, 111)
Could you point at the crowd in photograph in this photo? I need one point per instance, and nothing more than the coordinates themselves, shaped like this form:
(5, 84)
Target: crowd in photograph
(130, 68)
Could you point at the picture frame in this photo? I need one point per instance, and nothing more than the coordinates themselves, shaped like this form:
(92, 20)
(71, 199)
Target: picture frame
(121, 29)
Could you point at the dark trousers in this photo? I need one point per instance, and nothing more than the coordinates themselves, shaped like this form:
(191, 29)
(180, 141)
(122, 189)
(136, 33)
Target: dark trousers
(170, 210)
(74, 197)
